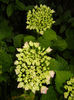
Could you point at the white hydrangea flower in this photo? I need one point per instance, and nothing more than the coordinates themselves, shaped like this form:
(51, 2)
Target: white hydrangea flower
(32, 67)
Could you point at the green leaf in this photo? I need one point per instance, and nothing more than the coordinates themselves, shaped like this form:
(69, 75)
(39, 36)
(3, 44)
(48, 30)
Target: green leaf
(5, 60)
(29, 38)
(5, 30)
(63, 63)
(70, 38)
(29, 7)
(18, 40)
(58, 21)
(43, 42)
(3, 45)
(71, 67)
(50, 35)
(10, 9)
(59, 10)
(62, 28)
(5, 1)
(11, 49)
(72, 24)
(0, 69)
(72, 61)
(61, 97)
(61, 78)
(67, 15)
(20, 5)
(58, 64)
(59, 44)
(51, 94)
(67, 54)
(71, 20)
(47, 38)
(3, 77)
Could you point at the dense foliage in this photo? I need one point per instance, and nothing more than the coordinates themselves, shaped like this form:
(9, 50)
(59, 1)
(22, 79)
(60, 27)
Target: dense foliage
(59, 37)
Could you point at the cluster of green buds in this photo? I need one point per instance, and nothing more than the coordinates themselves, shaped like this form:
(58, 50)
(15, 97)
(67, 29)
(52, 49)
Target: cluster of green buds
(69, 89)
(33, 67)
(40, 19)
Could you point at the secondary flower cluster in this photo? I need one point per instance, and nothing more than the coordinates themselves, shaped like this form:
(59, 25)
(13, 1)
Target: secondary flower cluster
(69, 89)
(32, 67)
(40, 18)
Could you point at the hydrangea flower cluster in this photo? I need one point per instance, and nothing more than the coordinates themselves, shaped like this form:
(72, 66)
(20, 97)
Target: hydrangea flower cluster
(32, 67)
(69, 89)
(40, 19)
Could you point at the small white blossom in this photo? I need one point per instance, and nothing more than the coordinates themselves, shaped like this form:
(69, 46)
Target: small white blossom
(44, 90)
(48, 50)
(31, 43)
(52, 73)
(20, 85)
(16, 62)
(26, 45)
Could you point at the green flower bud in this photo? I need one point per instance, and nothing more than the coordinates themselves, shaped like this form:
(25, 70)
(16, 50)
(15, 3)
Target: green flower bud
(40, 19)
(69, 87)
